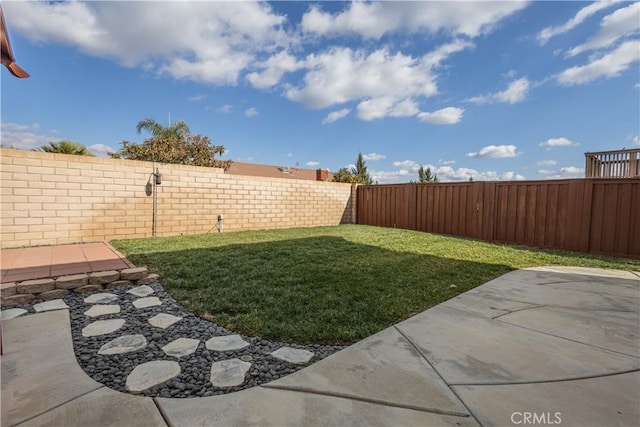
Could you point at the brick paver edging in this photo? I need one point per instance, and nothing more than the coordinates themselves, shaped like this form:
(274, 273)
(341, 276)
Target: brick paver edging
(18, 293)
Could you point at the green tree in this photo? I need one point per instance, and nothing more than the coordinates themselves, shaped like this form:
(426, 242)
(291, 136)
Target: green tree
(357, 174)
(360, 171)
(172, 144)
(177, 129)
(425, 175)
(344, 175)
(66, 147)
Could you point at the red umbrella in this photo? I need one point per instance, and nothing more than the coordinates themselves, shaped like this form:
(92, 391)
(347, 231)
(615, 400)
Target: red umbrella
(8, 60)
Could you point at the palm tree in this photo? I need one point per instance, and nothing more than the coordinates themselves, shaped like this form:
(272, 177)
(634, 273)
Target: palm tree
(66, 147)
(177, 129)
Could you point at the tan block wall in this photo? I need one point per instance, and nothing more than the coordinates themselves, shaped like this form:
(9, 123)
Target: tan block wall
(56, 198)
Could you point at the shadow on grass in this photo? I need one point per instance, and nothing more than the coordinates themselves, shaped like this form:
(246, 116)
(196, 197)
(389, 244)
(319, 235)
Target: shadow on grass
(311, 290)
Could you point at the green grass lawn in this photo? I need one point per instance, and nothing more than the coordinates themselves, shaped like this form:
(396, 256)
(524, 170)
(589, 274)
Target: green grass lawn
(331, 285)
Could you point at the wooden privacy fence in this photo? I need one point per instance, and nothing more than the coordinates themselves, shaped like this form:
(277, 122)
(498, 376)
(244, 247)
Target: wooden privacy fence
(600, 216)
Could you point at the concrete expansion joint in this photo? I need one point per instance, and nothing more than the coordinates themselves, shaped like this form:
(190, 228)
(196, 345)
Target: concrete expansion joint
(412, 344)
(513, 311)
(558, 380)
(366, 400)
(565, 338)
(36, 415)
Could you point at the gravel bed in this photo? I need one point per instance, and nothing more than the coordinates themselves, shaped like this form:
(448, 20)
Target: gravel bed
(193, 381)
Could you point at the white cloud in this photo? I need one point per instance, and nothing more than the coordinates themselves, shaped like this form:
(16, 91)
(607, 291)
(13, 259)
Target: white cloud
(340, 75)
(584, 13)
(375, 19)
(386, 106)
(406, 164)
(273, 69)
(495, 151)
(408, 170)
(205, 42)
(546, 163)
(24, 137)
(336, 115)
(558, 142)
(289, 154)
(225, 109)
(608, 65)
(100, 150)
(447, 162)
(621, 23)
(445, 116)
(564, 172)
(199, 97)
(516, 92)
(636, 140)
(312, 164)
(251, 112)
(385, 84)
(373, 157)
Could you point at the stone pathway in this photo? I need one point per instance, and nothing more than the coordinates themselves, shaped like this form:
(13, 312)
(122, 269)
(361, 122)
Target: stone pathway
(227, 370)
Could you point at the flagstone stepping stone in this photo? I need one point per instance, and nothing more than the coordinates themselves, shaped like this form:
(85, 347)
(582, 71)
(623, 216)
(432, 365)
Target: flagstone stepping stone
(147, 302)
(102, 327)
(293, 355)
(100, 298)
(141, 291)
(164, 320)
(124, 344)
(56, 304)
(101, 310)
(181, 347)
(11, 313)
(153, 373)
(229, 373)
(226, 343)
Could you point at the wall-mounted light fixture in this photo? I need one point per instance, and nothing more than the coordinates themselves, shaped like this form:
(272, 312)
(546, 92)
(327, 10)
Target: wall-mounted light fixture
(158, 177)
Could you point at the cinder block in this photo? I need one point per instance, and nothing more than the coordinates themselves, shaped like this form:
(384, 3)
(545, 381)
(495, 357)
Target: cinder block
(118, 284)
(55, 294)
(15, 300)
(88, 288)
(72, 281)
(133, 273)
(7, 289)
(102, 277)
(151, 278)
(35, 286)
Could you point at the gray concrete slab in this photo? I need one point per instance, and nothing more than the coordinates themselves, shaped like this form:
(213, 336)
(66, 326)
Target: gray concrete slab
(590, 272)
(271, 407)
(384, 368)
(470, 349)
(487, 307)
(39, 368)
(11, 313)
(611, 330)
(604, 401)
(554, 289)
(104, 408)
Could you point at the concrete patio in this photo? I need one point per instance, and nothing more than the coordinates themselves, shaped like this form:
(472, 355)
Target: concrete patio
(558, 345)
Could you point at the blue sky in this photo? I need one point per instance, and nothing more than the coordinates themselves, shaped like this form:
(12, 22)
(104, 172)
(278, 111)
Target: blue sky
(489, 90)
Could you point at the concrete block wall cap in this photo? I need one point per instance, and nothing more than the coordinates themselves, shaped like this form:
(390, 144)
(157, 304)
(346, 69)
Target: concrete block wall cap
(103, 277)
(35, 286)
(72, 281)
(7, 289)
(133, 273)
